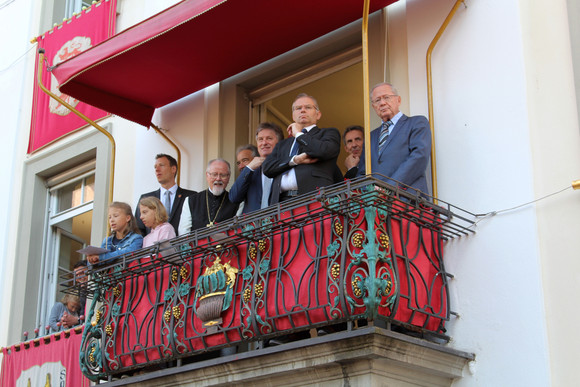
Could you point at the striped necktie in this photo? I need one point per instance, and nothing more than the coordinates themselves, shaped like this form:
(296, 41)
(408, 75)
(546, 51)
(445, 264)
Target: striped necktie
(384, 134)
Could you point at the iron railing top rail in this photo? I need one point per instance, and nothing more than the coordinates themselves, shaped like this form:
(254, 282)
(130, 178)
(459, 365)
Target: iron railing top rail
(342, 198)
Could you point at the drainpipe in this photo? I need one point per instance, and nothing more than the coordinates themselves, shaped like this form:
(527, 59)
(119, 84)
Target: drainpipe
(82, 116)
(430, 95)
(160, 132)
(365, 58)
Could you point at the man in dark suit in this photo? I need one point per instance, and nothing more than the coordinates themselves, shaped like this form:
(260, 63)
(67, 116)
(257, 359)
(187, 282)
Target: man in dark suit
(401, 146)
(354, 139)
(169, 193)
(252, 187)
(307, 159)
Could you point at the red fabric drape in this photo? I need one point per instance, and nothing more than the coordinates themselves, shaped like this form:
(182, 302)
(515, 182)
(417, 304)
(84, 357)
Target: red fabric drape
(56, 360)
(51, 120)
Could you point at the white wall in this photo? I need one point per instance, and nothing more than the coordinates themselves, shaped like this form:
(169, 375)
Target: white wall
(506, 133)
(484, 164)
(555, 145)
(16, 64)
(184, 121)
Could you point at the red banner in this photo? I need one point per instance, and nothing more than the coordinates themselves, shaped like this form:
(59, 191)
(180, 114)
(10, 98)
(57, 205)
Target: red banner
(48, 361)
(50, 119)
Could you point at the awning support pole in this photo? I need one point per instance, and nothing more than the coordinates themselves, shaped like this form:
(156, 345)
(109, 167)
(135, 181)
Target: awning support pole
(83, 117)
(160, 131)
(430, 95)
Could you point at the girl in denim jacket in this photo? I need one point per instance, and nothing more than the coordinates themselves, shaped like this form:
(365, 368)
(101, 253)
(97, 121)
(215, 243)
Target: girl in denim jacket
(125, 236)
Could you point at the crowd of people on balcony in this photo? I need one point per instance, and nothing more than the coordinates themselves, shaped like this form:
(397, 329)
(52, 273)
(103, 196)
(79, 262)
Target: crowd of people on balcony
(276, 170)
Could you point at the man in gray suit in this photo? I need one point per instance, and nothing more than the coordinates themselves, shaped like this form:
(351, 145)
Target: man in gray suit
(401, 146)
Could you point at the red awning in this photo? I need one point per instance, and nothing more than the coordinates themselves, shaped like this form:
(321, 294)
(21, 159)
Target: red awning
(194, 44)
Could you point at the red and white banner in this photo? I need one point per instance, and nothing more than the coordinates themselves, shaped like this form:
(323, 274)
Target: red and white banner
(50, 119)
(47, 361)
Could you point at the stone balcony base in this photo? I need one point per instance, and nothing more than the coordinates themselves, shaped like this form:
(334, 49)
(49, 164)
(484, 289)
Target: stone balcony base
(368, 356)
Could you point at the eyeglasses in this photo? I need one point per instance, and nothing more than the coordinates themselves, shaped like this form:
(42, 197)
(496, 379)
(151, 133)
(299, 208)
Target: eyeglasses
(385, 98)
(305, 107)
(214, 175)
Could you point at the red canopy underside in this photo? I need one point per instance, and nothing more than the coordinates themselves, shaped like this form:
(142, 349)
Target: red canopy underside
(194, 44)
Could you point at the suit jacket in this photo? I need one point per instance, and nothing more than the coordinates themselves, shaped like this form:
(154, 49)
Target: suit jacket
(405, 155)
(351, 173)
(323, 144)
(175, 215)
(248, 188)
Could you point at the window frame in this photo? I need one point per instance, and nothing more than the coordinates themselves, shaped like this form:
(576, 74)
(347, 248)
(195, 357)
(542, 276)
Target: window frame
(50, 271)
(42, 169)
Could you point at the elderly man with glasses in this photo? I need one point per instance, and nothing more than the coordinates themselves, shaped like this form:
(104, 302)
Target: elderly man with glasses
(211, 206)
(305, 160)
(401, 146)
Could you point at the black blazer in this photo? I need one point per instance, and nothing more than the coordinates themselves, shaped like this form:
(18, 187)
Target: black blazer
(351, 173)
(323, 144)
(175, 215)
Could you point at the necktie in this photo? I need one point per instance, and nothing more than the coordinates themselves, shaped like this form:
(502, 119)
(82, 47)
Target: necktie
(294, 150)
(167, 201)
(266, 188)
(384, 134)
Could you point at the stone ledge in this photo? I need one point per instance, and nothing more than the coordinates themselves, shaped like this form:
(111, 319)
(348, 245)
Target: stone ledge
(368, 356)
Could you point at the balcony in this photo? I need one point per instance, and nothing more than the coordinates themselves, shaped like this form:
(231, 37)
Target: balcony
(361, 261)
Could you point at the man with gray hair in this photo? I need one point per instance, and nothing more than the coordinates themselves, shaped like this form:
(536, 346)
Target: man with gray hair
(208, 207)
(401, 146)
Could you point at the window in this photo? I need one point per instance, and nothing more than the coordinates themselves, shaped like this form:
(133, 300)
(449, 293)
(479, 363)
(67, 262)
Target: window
(70, 212)
(54, 11)
(74, 6)
(46, 236)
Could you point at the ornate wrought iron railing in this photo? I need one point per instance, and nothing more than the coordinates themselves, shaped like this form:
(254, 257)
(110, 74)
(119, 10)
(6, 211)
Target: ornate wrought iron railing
(358, 250)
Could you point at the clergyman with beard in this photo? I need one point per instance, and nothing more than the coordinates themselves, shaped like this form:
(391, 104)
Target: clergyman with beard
(211, 206)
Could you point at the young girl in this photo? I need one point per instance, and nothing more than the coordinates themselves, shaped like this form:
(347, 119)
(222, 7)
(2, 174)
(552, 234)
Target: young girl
(154, 216)
(125, 236)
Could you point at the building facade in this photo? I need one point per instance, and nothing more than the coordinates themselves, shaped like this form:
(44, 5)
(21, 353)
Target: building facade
(505, 81)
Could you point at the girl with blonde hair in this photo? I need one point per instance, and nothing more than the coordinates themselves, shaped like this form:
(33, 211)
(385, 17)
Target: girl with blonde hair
(154, 216)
